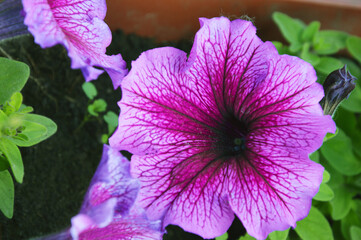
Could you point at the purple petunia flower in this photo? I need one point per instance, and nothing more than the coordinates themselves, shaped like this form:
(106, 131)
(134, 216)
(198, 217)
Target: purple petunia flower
(78, 25)
(226, 131)
(108, 212)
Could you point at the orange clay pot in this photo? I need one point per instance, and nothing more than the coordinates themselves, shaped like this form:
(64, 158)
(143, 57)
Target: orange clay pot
(169, 20)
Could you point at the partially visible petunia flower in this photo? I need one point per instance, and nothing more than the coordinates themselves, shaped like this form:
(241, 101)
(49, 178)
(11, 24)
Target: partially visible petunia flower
(226, 131)
(108, 211)
(78, 25)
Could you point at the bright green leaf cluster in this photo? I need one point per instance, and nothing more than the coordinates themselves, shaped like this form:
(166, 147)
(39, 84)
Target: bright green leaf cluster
(18, 128)
(98, 106)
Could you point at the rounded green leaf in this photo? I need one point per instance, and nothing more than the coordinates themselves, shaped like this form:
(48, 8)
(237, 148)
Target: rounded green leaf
(314, 227)
(315, 156)
(329, 41)
(338, 152)
(290, 28)
(112, 120)
(353, 102)
(37, 128)
(13, 76)
(279, 235)
(353, 44)
(327, 65)
(347, 222)
(324, 194)
(326, 176)
(89, 90)
(355, 233)
(13, 156)
(310, 31)
(6, 194)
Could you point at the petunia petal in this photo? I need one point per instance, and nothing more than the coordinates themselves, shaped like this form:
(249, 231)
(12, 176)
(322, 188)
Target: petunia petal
(78, 25)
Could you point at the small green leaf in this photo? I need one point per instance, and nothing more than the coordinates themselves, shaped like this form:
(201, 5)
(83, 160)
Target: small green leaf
(347, 222)
(338, 152)
(25, 109)
(279, 235)
(104, 138)
(112, 120)
(223, 237)
(353, 44)
(310, 31)
(324, 194)
(329, 41)
(13, 104)
(6, 194)
(326, 176)
(13, 76)
(290, 28)
(314, 227)
(247, 237)
(315, 156)
(97, 106)
(37, 128)
(307, 56)
(353, 102)
(355, 233)
(342, 201)
(4, 164)
(89, 90)
(327, 65)
(13, 156)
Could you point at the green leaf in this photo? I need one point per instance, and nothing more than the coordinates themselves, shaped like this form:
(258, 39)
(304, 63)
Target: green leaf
(13, 156)
(13, 104)
(355, 233)
(310, 31)
(89, 90)
(326, 176)
(353, 102)
(315, 156)
(13, 76)
(97, 106)
(347, 222)
(314, 227)
(290, 28)
(353, 45)
(329, 41)
(326, 65)
(309, 57)
(4, 165)
(112, 120)
(324, 194)
(223, 237)
(342, 201)
(37, 129)
(247, 237)
(279, 235)
(6, 194)
(338, 152)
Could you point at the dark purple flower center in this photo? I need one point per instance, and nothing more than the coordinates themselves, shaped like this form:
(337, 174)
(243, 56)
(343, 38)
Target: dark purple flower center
(231, 139)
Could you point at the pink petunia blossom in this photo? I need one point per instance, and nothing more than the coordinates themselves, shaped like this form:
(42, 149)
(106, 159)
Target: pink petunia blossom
(225, 131)
(78, 25)
(108, 211)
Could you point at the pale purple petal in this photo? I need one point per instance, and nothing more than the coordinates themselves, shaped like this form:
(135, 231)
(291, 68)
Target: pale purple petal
(78, 25)
(11, 19)
(229, 128)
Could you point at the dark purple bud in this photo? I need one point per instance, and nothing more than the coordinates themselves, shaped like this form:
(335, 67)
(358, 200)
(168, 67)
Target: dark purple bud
(337, 86)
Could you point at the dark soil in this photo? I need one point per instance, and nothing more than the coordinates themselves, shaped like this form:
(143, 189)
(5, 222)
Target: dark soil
(58, 170)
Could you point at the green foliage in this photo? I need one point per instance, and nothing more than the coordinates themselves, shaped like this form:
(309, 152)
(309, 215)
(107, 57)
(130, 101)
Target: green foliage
(336, 203)
(13, 76)
(18, 128)
(97, 107)
(314, 227)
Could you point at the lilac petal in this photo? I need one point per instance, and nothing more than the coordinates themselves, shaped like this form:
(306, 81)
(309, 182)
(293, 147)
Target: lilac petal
(78, 25)
(231, 127)
(123, 228)
(112, 180)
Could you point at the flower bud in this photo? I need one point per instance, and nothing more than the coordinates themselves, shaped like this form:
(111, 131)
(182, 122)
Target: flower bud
(337, 86)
